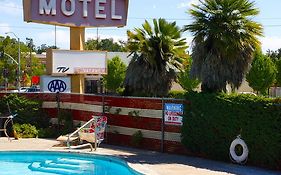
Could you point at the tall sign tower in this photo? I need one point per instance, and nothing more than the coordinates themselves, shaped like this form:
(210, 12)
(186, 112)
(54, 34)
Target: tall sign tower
(76, 14)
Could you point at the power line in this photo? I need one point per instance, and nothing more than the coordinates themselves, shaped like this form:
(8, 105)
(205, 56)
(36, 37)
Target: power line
(15, 7)
(150, 18)
(102, 29)
(51, 28)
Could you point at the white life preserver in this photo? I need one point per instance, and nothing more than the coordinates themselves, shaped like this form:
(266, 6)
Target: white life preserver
(242, 158)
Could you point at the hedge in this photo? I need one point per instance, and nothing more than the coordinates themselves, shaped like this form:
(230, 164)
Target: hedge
(212, 122)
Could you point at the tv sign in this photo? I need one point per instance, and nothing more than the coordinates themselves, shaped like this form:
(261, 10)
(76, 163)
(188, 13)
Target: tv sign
(66, 62)
(77, 13)
(55, 84)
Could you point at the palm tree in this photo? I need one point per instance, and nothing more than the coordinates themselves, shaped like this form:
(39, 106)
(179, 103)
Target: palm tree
(157, 54)
(225, 37)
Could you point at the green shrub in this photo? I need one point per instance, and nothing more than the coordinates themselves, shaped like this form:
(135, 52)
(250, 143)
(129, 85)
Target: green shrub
(137, 137)
(212, 122)
(65, 120)
(177, 94)
(185, 80)
(116, 75)
(262, 73)
(50, 132)
(29, 111)
(25, 130)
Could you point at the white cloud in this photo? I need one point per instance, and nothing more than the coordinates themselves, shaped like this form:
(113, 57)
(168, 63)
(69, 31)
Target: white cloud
(272, 43)
(11, 9)
(4, 27)
(182, 5)
(187, 3)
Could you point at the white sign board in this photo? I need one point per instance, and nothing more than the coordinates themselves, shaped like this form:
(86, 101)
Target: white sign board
(55, 84)
(78, 62)
(173, 114)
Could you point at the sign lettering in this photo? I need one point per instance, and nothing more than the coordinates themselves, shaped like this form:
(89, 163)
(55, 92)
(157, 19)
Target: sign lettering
(47, 8)
(62, 69)
(71, 10)
(90, 70)
(57, 86)
(85, 7)
(77, 13)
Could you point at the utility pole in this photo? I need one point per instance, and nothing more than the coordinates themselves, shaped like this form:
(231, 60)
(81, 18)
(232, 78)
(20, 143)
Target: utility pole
(97, 39)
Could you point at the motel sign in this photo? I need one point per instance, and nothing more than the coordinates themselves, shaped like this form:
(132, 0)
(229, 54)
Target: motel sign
(77, 13)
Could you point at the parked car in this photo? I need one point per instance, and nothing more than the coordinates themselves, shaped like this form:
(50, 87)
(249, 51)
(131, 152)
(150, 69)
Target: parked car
(33, 89)
(251, 93)
(22, 89)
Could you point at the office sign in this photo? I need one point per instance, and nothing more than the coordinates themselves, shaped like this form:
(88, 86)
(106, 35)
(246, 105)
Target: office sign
(55, 84)
(173, 114)
(77, 13)
(64, 62)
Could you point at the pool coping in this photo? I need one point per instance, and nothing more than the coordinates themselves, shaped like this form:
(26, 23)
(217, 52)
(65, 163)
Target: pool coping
(143, 161)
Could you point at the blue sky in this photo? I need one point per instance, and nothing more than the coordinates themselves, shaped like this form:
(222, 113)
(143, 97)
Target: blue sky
(11, 20)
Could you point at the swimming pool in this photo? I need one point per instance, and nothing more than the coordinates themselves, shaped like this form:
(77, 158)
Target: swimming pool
(54, 163)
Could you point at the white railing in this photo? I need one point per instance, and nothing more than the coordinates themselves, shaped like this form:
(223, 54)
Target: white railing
(76, 132)
(8, 119)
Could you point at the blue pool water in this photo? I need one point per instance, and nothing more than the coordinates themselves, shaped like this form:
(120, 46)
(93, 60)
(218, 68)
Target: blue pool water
(53, 163)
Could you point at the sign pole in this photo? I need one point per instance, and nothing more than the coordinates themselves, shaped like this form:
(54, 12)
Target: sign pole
(162, 127)
(77, 42)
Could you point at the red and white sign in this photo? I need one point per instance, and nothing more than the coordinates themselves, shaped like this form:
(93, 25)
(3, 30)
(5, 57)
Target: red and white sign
(77, 13)
(173, 120)
(173, 114)
(89, 70)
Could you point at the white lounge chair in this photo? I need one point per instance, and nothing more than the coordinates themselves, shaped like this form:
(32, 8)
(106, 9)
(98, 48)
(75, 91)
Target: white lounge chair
(91, 132)
(95, 133)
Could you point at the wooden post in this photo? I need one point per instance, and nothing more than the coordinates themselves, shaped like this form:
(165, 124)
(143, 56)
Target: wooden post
(77, 42)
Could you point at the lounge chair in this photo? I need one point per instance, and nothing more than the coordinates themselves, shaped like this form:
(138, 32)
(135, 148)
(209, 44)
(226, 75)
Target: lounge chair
(95, 133)
(91, 132)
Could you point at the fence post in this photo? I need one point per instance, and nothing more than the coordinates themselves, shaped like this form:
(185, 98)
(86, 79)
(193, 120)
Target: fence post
(103, 112)
(162, 127)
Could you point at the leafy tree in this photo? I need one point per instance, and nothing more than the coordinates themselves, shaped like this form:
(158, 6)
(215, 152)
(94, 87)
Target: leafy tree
(116, 74)
(274, 54)
(158, 53)
(10, 46)
(276, 58)
(37, 67)
(278, 74)
(184, 79)
(105, 45)
(262, 73)
(225, 37)
(43, 48)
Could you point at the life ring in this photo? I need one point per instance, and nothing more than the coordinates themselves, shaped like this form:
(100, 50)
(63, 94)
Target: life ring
(234, 157)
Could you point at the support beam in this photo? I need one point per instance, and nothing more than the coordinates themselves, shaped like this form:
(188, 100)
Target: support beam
(77, 42)
(77, 83)
(77, 38)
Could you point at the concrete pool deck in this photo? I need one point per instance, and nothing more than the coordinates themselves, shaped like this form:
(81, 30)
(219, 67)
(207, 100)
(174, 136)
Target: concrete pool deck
(147, 162)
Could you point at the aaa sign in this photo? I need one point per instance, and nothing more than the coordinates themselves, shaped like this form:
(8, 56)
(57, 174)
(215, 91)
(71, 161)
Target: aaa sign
(77, 13)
